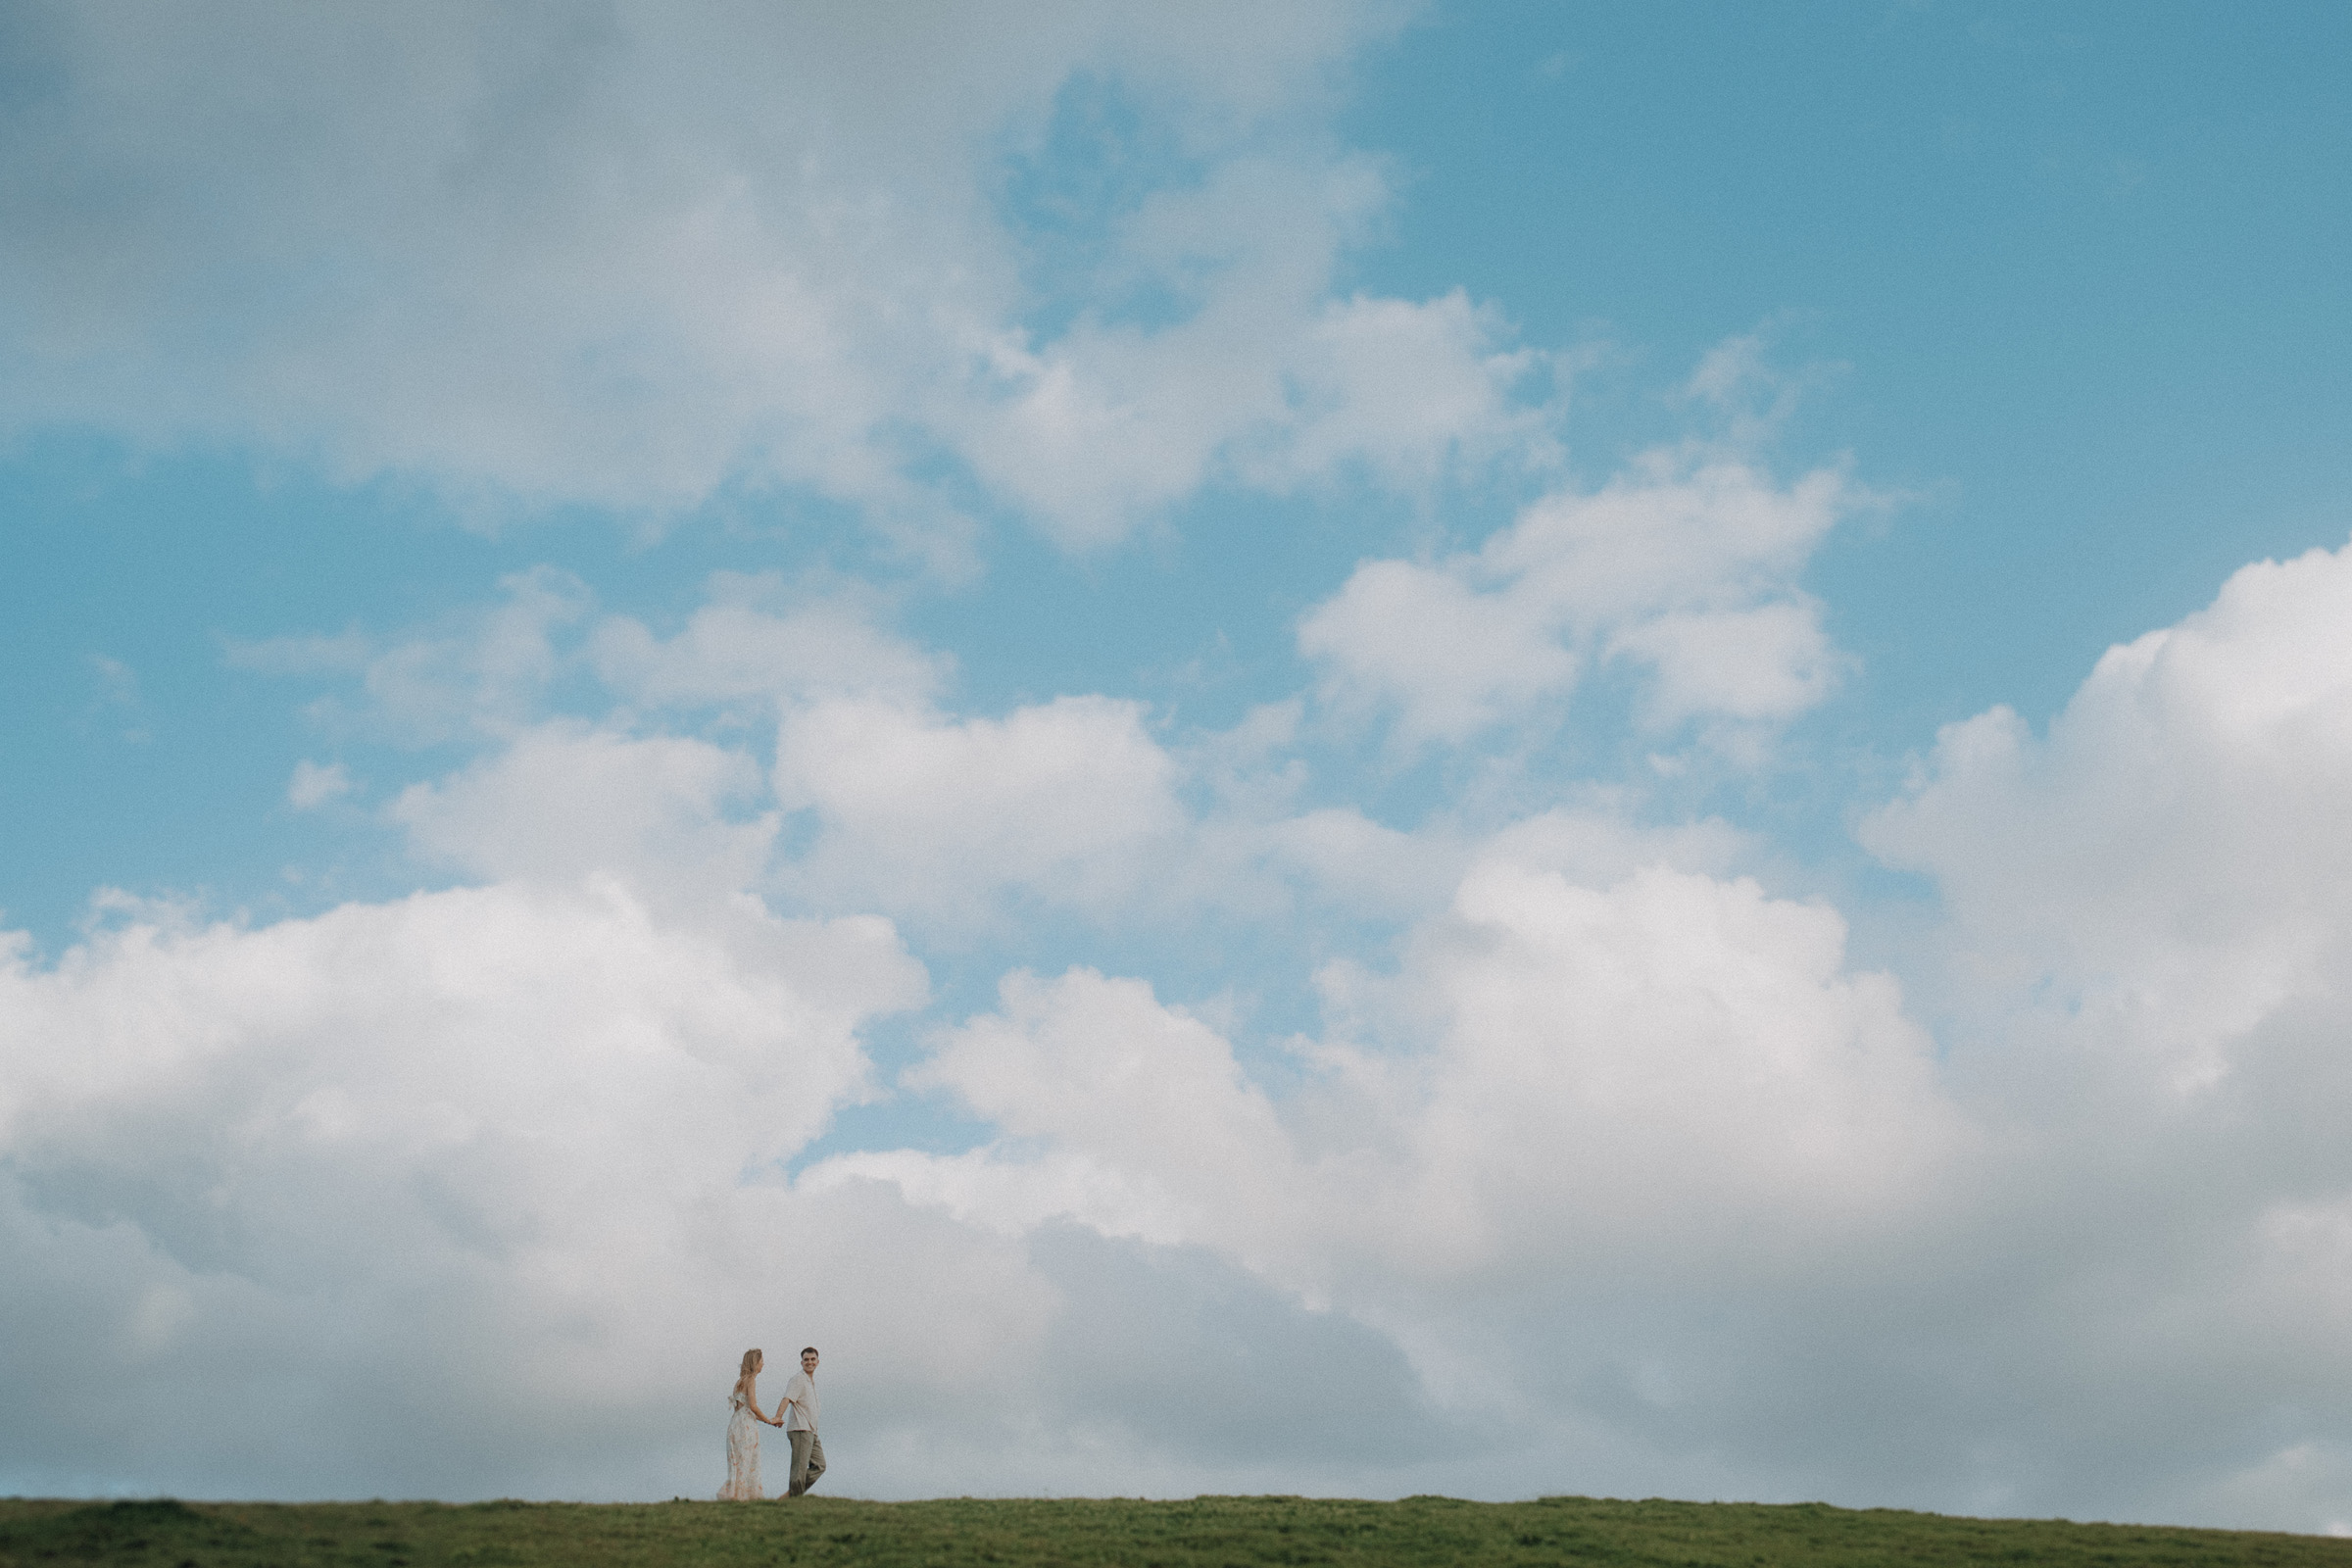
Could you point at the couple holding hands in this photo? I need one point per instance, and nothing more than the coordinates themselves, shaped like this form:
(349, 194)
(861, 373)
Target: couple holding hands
(796, 1413)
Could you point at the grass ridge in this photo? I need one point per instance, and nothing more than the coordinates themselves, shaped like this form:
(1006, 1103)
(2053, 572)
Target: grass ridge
(1210, 1531)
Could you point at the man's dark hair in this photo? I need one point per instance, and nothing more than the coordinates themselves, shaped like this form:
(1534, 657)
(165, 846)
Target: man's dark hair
(807, 1349)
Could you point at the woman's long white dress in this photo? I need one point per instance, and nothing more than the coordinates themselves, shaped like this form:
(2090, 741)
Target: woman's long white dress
(743, 1453)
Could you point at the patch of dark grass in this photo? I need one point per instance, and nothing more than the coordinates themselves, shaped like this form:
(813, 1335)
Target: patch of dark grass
(1202, 1532)
(160, 1530)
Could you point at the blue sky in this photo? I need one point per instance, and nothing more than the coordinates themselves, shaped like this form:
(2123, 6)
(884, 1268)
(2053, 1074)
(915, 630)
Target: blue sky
(1621, 718)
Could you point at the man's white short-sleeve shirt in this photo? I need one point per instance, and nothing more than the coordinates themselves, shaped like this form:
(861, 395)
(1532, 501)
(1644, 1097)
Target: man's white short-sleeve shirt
(799, 1397)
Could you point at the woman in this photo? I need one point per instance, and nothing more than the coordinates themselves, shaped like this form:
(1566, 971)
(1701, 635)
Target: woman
(742, 1444)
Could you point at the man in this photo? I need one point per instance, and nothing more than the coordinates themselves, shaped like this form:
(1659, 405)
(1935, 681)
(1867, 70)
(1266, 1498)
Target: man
(800, 1398)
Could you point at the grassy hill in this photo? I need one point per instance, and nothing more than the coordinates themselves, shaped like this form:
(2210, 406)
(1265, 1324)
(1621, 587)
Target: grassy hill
(1205, 1533)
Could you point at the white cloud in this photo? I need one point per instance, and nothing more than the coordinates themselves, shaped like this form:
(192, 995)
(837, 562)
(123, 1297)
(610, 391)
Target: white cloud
(1454, 660)
(1665, 1080)
(482, 673)
(1264, 380)
(562, 802)
(1098, 1069)
(1615, 1162)
(1014, 1198)
(904, 806)
(497, 1167)
(2143, 962)
(752, 641)
(1596, 844)
(1347, 859)
(1645, 1181)
(2174, 857)
(456, 1160)
(1638, 1171)
(1410, 389)
(488, 674)
(1685, 567)
(964, 823)
(1068, 800)
(632, 257)
(1770, 663)
(1673, 1063)
(315, 785)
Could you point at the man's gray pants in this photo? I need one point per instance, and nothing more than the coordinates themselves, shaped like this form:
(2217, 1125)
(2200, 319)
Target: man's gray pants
(807, 1460)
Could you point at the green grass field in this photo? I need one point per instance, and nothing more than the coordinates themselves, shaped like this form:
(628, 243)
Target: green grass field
(1205, 1533)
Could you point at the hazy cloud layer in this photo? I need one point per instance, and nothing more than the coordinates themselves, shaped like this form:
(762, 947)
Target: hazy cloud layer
(628, 255)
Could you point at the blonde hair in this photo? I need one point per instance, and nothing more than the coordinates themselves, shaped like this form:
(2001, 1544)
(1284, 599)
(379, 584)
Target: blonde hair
(753, 1361)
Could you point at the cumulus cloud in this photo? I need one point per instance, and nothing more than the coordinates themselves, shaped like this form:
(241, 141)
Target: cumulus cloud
(406, 1161)
(2144, 964)
(1615, 1166)
(1612, 1167)
(1265, 380)
(1648, 1183)
(1064, 799)
(1555, 1069)
(562, 800)
(877, 795)
(1684, 568)
(756, 642)
(631, 256)
(480, 1190)
(961, 824)
(1456, 660)
(2171, 856)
